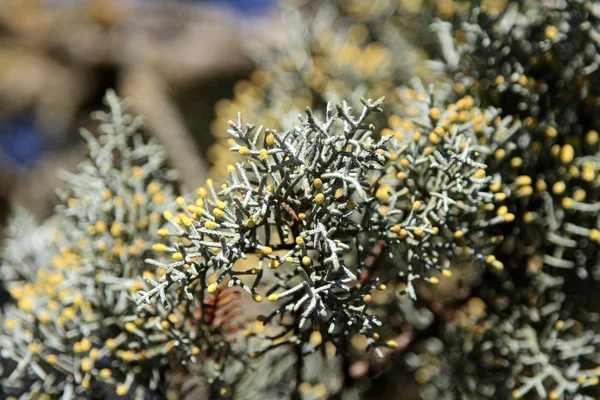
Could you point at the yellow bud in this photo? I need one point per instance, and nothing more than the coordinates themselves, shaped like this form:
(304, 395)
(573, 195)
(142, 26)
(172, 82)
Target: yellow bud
(35, 348)
(273, 297)
(105, 373)
(433, 138)
(558, 187)
(159, 247)
(567, 153)
(434, 280)
(212, 287)
(479, 174)
(202, 193)
(162, 232)
(560, 324)
(495, 186)
(551, 32)
(94, 353)
(122, 390)
(418, 231)
(592, 138)
(316, 338)
(177, 256)
(391, 344)
(86, 344)
(267, 250)
(500, 196)
(320, 198)
(130, 327)
(306, 260)
(244, 151)
(416, 205)
(367, 298)
(567, 203)
(551, 132)
(86, 365)
(217, 212)
(257, 297)
(270, 140)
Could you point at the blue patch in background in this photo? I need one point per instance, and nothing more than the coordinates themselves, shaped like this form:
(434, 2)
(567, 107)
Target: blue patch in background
(247, 7)
(21, 141)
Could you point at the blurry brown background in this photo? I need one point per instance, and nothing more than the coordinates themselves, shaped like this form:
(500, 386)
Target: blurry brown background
(172, 59)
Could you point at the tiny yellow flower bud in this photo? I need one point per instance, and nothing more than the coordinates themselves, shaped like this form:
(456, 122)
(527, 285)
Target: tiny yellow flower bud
(130, 327)
(500, 154)
(244, 151)
(212, 288)
(320, 198)
(560, 324)
(433, 138)
(122, 390)
(306, 260)
(270, 140)
(479, 174)
(105, 373)
(551, 132)
(559, 187)
(273, 297)
(35, 348)
(202, 193)
(159, 247)
(551, 32)
(316, 338)
(86, 365)
(162, 232)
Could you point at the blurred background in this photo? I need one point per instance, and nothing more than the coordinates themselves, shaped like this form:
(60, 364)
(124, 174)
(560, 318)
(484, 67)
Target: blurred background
(172, 59)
